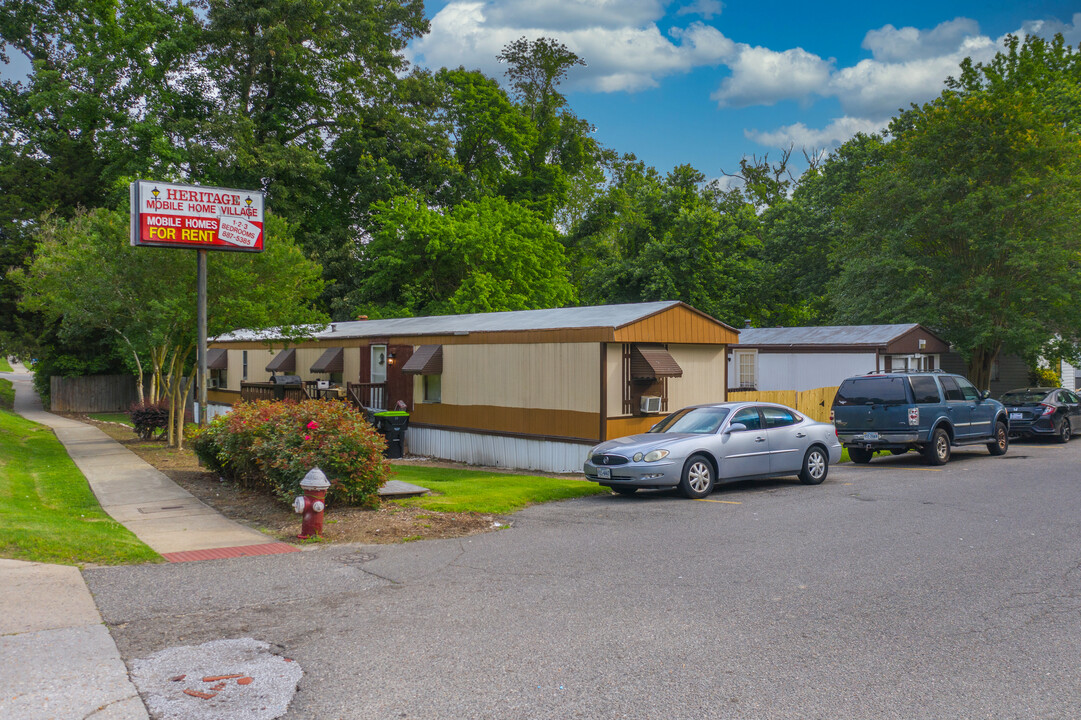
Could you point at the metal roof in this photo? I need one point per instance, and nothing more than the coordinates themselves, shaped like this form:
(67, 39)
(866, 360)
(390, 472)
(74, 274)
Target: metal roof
(596, 316)
(874, 335)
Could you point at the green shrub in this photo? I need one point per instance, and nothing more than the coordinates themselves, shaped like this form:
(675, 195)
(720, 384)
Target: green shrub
(273, 445)
(1044, 377)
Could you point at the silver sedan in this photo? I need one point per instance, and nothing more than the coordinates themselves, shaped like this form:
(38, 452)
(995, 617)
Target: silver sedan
(704, 444)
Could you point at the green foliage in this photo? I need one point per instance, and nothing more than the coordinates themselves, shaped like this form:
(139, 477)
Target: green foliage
(652, 238)
(272, 445)
(486, 492)
(47, 510)
(968, 224)
(481, 256)
(1043, 376)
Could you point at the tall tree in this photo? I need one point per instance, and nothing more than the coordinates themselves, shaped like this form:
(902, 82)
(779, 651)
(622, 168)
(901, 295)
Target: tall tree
(969, 223)
(483, 256)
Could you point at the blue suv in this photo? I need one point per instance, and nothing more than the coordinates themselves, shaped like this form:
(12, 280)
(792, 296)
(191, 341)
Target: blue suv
(925, 411)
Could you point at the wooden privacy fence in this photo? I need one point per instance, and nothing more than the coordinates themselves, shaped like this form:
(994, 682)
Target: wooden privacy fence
(815, 404)
(92, 393)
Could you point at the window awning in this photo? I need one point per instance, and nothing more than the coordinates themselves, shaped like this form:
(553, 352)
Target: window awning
(217, 359)
(285, 361)
(426, 360)
(331, 361)
(653, 361)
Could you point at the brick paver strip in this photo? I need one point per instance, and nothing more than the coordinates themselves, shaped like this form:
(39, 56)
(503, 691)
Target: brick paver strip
(230, 552)
(215, 678)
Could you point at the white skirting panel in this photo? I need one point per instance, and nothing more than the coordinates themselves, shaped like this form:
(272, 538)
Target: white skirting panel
(497, 450)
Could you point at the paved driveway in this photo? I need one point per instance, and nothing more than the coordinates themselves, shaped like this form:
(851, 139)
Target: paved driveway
(892, 591)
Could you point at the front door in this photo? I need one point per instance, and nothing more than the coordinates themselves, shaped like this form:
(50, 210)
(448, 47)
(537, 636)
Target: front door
(744, 452)
(378, 376)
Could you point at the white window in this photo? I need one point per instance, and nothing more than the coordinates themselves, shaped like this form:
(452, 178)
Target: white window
(745, 370)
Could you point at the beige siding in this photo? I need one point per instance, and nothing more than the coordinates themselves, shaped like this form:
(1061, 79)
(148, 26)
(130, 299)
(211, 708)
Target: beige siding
(703, 378)
(257, 362)
(306, 357)
(615, 379)
(553, 376)
(351, 373)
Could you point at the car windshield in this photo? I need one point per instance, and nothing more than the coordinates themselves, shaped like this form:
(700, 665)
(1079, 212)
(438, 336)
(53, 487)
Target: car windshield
(1024, 397)
(701, 420)
(873, 391)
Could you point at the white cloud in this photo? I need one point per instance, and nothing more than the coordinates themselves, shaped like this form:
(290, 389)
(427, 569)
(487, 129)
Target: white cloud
(890, 44)
(803, 137)
(761, 76)
(705, 8)
(624, 48)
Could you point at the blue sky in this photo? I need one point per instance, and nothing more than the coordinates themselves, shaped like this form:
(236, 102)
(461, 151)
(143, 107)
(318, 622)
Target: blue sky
(706, 82)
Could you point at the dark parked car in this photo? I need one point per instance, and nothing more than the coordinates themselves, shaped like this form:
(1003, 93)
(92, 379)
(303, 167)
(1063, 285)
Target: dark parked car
(930, 412)
(1043, 412)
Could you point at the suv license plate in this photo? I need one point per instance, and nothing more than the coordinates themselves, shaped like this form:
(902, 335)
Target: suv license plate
(604, 473)
(870, 436)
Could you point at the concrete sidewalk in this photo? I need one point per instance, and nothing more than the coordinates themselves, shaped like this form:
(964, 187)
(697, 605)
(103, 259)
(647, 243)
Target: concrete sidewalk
(162, 514)
(57, 659)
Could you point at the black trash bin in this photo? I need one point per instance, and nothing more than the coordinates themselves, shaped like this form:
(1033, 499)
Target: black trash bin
(392, 423)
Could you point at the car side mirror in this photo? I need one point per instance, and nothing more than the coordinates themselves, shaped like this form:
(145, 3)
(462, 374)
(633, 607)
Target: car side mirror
(984, 394)
(735, 427)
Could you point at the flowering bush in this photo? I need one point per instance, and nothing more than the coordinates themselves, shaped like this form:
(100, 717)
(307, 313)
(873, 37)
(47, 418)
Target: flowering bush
(273, 445)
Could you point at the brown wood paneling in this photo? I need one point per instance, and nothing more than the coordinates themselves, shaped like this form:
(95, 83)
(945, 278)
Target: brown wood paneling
(518, 421)
(399, 384)
(223, 397)
(624, 426)
(678, 324)
(910, 343)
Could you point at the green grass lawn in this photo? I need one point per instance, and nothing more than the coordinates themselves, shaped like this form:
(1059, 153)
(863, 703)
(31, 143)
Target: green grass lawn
(487, 492)
(47, 510)
(5, 366)
(7, 394)
(122, 418)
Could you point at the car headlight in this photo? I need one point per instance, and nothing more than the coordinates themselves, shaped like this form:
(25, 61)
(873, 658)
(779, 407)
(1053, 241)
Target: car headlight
(655, 455)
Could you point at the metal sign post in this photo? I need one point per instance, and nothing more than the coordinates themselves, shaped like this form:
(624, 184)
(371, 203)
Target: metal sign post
(200, 302)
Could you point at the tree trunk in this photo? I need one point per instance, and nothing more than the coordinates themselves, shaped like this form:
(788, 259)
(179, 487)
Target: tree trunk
(980, 363)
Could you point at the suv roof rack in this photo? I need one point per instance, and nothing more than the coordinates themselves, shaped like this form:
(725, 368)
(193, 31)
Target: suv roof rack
(902, 370)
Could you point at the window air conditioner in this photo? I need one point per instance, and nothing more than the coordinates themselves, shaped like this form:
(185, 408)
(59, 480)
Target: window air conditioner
(211, 383)
(651, 404)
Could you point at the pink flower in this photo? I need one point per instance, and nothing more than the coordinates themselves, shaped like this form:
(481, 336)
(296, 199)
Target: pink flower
(307, 437)
(313, 425)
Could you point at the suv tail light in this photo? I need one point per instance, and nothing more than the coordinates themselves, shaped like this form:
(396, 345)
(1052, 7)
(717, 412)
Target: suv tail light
(913, 416)
(831, 415)
(1047, 410)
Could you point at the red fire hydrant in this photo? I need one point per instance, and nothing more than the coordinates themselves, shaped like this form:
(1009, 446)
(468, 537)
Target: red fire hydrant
(312, 504)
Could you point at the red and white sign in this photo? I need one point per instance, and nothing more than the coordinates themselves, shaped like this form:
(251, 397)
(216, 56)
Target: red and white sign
(191, 216)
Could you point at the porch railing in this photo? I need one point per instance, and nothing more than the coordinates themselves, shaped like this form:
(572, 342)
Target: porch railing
(372, 396)
(271, 391)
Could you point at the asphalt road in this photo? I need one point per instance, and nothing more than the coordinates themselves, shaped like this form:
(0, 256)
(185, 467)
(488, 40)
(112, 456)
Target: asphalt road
(891, 591)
